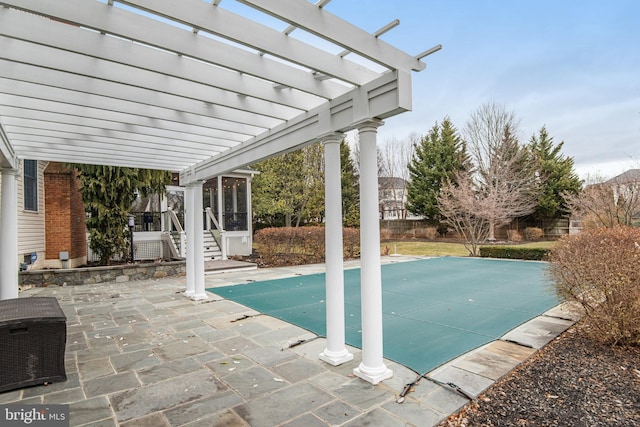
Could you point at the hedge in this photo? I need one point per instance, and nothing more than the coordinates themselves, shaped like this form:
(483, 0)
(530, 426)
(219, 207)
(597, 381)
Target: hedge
(514, 252)
(301, 245)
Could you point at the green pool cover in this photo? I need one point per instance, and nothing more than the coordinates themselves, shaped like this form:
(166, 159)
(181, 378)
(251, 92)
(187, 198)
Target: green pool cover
(433, 309)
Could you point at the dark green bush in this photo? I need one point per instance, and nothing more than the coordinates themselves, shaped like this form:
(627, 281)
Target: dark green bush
(513, 252)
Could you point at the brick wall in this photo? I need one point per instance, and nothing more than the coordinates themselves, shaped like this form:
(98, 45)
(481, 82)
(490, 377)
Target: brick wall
(65, 217)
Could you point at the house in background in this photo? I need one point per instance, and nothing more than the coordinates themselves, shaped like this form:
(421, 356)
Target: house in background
(31, 209)
(51, 218)
(51, 230)
(65, 229)
(626, 195)
(47, 196)
(226, 219)
(392, 197)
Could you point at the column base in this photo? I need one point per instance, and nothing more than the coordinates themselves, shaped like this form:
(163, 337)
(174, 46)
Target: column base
(374, 376)
(189, 293)
(198, 297)
(335, 358)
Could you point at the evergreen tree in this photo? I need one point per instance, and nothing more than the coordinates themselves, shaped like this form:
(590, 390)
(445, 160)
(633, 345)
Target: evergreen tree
(438, 156)
(289, 191)
(556, 176)
(350, 188)
(278, 194)
(107, 193)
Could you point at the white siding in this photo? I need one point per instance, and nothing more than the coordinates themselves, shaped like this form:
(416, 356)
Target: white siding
(31, 225)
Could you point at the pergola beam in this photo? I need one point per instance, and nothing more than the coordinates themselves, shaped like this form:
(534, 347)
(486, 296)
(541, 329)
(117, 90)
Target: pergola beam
(104, 137)
(49, 33)
(53, 154)
(244, 31)
(53, 102)
(323, 24)
(23, 52)
(106, 145)
(217, 116)
(147, 31)
(29, 119)
(22, 117)
(389, 95)
(198, 114)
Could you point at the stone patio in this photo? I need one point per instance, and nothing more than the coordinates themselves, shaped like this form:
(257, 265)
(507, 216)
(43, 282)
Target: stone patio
(141, 354)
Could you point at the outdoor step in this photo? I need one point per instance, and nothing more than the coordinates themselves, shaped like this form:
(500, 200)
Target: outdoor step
(211, 249)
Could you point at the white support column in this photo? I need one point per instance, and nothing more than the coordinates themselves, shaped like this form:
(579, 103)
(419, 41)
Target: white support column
(336, 352)
(9, 233)
(372, 367)
(197, 248)
(221, 222)
(189, 228)
(249, 215)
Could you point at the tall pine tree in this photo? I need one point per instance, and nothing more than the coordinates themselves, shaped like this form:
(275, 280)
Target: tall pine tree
(438, 156)
(556, 176)
(350, 188)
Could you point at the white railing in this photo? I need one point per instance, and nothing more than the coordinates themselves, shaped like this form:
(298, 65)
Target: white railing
(217, 232)
(175, 221)
(182, 247)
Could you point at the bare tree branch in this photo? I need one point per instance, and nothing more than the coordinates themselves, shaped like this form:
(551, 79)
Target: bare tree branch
(462, 208)
(505, 170)
(607, 204)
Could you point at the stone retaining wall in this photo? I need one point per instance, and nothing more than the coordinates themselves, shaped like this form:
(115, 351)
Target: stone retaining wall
(93, 275)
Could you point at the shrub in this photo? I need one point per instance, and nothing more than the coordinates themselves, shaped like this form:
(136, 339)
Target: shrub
(429, 233)
(510, 252)
(598, 269)
(533, 233)
(301, 245)
(514, 236)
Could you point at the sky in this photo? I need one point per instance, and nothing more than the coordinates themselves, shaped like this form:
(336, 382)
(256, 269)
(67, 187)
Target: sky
(570, 65)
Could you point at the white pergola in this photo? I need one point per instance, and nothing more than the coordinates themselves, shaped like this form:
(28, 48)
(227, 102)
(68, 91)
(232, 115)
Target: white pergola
(192, 87)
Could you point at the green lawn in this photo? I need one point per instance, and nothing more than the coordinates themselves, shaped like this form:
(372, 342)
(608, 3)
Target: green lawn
(442, 248)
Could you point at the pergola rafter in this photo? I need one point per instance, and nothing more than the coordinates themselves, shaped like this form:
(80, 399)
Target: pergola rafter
(94, 45)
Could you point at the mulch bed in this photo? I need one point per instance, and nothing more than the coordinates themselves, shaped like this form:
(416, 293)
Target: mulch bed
(573, 381)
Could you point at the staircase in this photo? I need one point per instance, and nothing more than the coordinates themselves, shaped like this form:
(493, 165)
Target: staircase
(211, 249)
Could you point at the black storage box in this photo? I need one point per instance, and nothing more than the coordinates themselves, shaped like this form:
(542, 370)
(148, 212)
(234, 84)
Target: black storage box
(33, 335)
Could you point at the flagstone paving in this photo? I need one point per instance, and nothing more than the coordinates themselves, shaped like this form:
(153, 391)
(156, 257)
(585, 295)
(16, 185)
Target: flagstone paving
(141, 354)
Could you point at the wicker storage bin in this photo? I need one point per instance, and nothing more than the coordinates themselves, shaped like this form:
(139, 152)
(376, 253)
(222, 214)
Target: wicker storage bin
(33, 335)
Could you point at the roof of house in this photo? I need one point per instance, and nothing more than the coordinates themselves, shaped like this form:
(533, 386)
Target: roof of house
(627, 177)
(391, 182)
